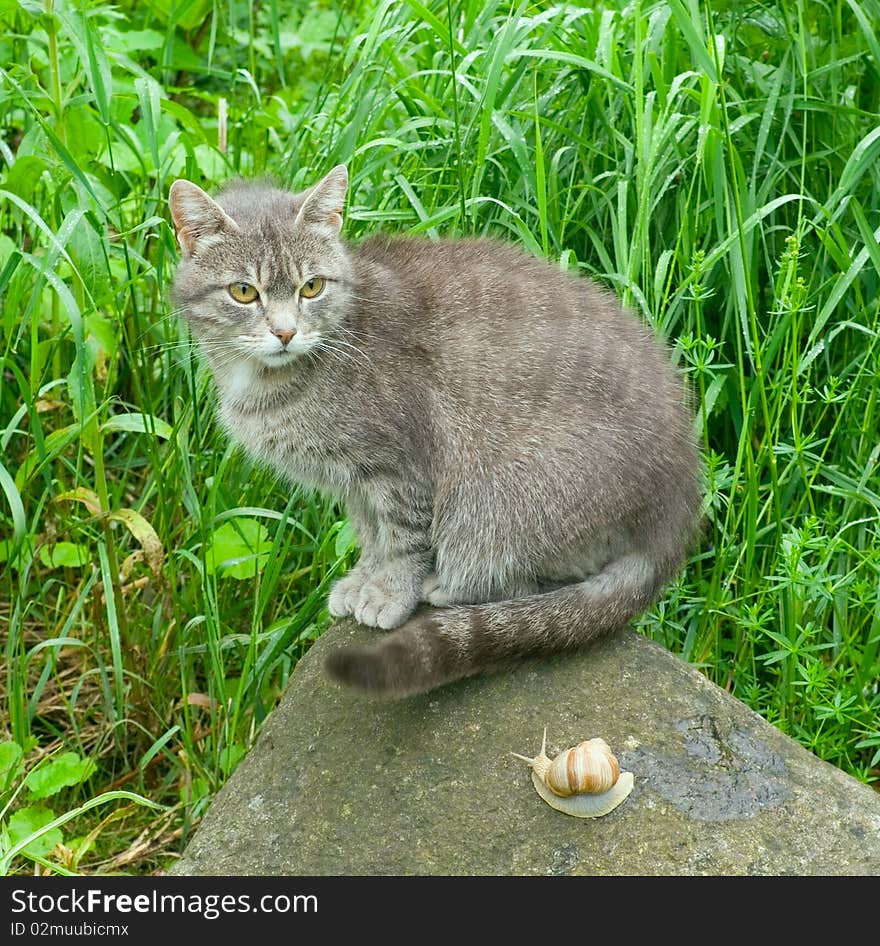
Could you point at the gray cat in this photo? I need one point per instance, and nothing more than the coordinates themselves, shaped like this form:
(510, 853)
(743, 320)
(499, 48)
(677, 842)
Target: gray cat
(510, 446)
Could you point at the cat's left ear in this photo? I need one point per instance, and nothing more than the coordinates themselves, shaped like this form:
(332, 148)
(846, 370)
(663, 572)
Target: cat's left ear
(197, 218)
(324, 202)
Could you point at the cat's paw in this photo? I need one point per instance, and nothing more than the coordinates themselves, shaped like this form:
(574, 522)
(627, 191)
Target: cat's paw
(344, 595)
(377, 607)
(434, 592)
(387, 599)
(378, 596)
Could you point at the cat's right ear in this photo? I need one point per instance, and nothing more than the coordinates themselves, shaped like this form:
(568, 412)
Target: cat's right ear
(198, 220)
(324, 203)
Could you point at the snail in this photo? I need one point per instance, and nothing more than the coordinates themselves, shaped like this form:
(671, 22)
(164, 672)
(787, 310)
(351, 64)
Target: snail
(584, 781)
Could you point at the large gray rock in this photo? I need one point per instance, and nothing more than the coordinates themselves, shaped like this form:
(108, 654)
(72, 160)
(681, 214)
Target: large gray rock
(339, 784)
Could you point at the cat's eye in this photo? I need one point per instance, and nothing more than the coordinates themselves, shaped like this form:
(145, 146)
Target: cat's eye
(243, 292)
(313, 287)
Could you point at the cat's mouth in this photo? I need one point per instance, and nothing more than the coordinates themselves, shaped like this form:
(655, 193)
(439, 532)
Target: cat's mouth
(280, 357)
(284, 355)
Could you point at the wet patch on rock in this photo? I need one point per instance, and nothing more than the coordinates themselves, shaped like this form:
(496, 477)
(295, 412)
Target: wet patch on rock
(724, 773)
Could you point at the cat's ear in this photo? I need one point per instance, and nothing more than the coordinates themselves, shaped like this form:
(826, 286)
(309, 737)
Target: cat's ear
(198, 220)
(324, 202)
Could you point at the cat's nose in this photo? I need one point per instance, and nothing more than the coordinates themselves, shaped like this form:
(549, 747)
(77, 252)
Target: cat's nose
(284, 335)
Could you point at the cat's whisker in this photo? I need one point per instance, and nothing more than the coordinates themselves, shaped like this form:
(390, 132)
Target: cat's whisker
(185, 346)
(329, 346)
(330, 352)
(222, 363)
(338, 341)
(187, 340)
(174, 315)
(355, 334)
(333, 352)
(372, 300)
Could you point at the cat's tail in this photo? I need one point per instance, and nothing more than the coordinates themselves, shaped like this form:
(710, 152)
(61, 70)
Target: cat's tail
(446, 644)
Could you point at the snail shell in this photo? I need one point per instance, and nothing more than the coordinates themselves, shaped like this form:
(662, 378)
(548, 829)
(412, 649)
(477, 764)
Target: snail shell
(584, 781)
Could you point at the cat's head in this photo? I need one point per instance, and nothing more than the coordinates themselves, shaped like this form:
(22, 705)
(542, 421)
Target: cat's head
(263, 274)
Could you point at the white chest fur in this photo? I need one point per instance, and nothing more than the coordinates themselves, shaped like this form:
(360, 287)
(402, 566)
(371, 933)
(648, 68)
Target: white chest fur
(278, 429)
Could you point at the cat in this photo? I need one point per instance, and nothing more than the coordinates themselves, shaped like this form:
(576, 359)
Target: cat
(511, 446)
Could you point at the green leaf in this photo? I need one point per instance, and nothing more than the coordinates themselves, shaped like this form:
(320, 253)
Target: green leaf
(102, 336)
(68, 769)
(139, 423)
(157, 747)
(86, 247)
(45, 452)
(230, 757)
(8, 246)
(238, 549)
(17, 554)
(187, 15)
(10, 762)
(688, 21)
(13, 497)
(346, 539)
(65, 555)
(24, 176)
(136, 41)
(28, 821)
(196, 795)
(212, 164)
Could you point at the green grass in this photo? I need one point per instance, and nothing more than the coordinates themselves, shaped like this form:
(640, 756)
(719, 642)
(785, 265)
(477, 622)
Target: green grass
(157, 589)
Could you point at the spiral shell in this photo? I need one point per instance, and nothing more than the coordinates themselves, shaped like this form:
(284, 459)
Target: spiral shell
(584, 781)
(588, 768)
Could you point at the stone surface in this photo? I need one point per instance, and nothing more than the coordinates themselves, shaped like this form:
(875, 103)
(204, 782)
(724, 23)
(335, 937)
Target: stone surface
(339, 784)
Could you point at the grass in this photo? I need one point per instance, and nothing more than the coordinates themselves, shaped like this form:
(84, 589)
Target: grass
(715, 164)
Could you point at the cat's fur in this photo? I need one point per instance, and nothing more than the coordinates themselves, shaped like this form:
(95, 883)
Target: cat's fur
(509, 444)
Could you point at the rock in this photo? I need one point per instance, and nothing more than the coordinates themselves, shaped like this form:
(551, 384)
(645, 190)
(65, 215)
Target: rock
(343, 785)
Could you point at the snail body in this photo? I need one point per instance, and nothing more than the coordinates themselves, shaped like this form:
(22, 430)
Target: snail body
(584, 781)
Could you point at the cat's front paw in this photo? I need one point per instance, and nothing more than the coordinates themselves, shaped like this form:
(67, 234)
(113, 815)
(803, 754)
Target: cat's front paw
(378, 596)
(380, 606)
(344, 595)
